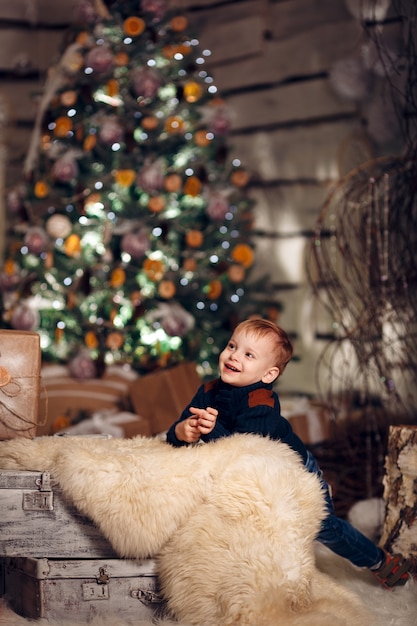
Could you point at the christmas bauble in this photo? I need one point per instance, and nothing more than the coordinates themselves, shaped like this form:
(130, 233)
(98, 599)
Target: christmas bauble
(173, 183)
(111, 131)
(25, 317)
(82, 366)
(192, 91)
(166, 289)
(136, 244)
(157, 7)
(36, 240)
(58, 226)
(72, 245)
(100, 59)
(194, 238)
(151, 176)
(134, 26)
(146, 83)
(217, 206)
(65, 169)
(236, 273)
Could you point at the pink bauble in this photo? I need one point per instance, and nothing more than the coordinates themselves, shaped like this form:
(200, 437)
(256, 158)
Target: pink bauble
(82, 366)
(111, 131)
(25, 318)
(136, 244)
(220, 122)
(65, 169)
(85, 12)
(157, 7)
(146, 83)
(217, 206)
(151, 177)
(174, 325)
(100, 59)
(36, 240)
(58, 226)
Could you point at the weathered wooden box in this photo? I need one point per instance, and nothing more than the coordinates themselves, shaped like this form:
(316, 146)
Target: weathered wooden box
(36, 521)
(59, 589)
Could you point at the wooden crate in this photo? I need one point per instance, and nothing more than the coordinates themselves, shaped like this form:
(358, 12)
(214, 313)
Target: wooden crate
(36, 520)
(59, 589)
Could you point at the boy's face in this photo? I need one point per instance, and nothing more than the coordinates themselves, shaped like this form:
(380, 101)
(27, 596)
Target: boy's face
(247, 359)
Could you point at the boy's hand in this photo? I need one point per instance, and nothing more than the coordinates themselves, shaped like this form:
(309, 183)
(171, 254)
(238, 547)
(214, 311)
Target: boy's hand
(206, 419)
(188, 430)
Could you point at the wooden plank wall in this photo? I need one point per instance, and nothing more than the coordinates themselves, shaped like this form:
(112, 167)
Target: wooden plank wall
(271, 61)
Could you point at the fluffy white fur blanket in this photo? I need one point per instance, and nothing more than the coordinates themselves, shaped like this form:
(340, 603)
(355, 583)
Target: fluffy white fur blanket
(231, 525)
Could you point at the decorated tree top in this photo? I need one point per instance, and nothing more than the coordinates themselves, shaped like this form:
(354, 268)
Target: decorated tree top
(129, 241)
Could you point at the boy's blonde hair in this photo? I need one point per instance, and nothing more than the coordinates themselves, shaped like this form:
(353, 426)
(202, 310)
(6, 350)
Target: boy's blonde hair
(281, 347)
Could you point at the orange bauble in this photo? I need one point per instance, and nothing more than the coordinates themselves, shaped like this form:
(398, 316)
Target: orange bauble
(69, 98)
(179, 23)
(82, 38)
(156, 204)
(166, 289)
(214, 289)
(121, 59)
(192, 91)
(236, 273)
(154, 269)
(124, 178)
(173, 182)
(117, 277)
(202, 138)
(189, 265)
(194, 238)
(192, 186)
(150, 122)
(63, 126)
(243, 254)
(41, 189)
(91, 340)
(134, 26)
(72, 245)
(89, 142)
(114, 341)
(112, 87)
(239, 178)
(174, 124)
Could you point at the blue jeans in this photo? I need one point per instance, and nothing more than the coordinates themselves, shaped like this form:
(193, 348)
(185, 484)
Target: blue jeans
(339, 535)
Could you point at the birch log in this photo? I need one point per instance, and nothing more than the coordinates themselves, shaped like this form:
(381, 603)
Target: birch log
(399, 533)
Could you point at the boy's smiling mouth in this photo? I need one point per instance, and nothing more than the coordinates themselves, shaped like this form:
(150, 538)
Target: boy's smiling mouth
(231, 367)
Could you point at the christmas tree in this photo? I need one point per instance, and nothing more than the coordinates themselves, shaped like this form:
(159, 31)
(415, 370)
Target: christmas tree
(130, 239)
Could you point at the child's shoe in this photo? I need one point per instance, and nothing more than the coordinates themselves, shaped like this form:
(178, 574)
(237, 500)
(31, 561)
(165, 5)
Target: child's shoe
(393, 572)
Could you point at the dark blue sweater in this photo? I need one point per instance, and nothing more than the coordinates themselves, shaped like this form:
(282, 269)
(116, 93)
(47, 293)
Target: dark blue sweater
(252, 409)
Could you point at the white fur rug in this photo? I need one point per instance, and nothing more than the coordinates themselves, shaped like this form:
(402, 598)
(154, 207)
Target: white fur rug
(231, 525)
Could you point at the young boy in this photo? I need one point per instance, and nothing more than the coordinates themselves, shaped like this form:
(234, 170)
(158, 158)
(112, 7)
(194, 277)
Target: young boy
(242, 401)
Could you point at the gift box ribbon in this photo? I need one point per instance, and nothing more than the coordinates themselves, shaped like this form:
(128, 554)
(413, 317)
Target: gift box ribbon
(10, 388)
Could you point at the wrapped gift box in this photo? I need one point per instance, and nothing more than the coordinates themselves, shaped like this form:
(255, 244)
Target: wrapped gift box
(20, 365)
(161, 397)
(64, 399)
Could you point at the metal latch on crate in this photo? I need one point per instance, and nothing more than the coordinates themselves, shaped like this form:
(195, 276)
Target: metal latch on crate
(98, 590)
(146, 596)
(43, 498)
